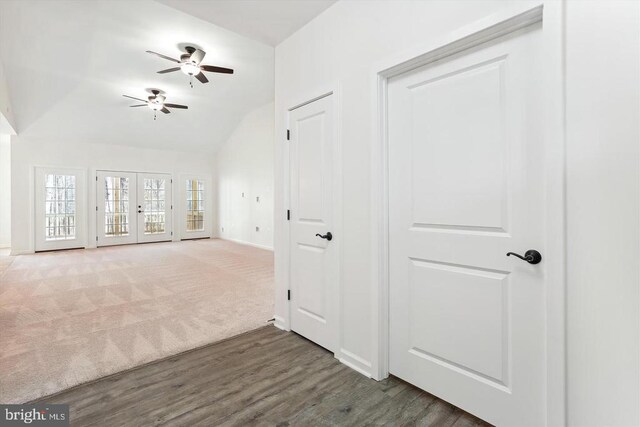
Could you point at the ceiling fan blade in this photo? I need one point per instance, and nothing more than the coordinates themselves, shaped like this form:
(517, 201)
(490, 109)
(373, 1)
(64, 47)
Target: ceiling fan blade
(184, 107)
(138, 105)
(169, 70)
(163, 56)
(200, 76)
(214, 69)
(164, 110)
(137, 99)
(197, 56)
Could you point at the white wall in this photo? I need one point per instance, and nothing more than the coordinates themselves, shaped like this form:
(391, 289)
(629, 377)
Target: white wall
(603, 211)
(244, 165)
(7, 121)
(27, 153)
(340, 48)
(5, 191)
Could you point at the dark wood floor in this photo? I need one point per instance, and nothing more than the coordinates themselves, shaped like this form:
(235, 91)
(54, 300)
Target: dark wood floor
(264, 377)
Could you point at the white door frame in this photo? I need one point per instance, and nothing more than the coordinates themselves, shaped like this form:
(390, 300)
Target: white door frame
(312, 96)
(492, 27)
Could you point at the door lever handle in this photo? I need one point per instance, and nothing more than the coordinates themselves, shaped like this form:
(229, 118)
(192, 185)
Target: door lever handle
(531, 256)
(327, 236)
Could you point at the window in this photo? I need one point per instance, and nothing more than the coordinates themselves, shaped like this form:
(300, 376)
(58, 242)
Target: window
(195, 205)
(154, 208)
(116, 206)
(60, 207)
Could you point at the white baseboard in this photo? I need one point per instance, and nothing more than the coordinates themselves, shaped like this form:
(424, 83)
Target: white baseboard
(280, 323)
(355, 362)
(242, 242)
(22, 252)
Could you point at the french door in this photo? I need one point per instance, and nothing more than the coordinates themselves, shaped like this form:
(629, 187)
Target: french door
(133, 208)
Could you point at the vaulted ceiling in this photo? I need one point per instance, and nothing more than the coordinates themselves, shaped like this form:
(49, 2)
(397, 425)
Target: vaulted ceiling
(68, 63)
(268, 21)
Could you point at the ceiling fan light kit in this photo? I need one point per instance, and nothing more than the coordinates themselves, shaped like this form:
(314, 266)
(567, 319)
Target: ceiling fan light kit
(156, 103)
(189, 64)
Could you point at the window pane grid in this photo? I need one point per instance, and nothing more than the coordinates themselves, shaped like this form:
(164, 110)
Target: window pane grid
(60, 207)
(116, 206)
(154, 206)
(195, 205)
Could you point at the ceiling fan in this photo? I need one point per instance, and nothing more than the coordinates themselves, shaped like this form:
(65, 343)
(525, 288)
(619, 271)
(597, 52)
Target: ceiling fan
(190, 64)
(156, 103)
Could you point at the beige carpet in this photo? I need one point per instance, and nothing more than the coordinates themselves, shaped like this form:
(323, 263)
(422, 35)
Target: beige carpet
(73, 316)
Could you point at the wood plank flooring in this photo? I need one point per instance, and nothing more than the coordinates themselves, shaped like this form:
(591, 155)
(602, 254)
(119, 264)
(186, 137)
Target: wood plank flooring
(263, 377)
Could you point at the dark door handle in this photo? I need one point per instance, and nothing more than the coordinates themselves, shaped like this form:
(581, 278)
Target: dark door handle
(327, 236)
(531, 256)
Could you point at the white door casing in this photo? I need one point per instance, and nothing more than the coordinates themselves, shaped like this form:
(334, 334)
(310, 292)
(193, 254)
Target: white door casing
(466, 186)
(313, 264)
(60, 208)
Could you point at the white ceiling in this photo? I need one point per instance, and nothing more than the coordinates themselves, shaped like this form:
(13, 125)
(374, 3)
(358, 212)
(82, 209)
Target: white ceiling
(67, 64)
(268, 21)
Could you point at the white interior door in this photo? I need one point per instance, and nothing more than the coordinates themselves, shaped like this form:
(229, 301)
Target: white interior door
(116, 222)
(154, 207)
(313, 259)
(466, 174)
(60, 203)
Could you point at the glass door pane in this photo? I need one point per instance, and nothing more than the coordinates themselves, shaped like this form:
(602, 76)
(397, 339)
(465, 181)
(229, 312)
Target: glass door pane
(195, 205)
(60, 207)
(116, 206)
(154, 202)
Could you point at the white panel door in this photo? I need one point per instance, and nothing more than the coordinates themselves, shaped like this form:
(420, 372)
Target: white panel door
(466, 174)
(313, 262)
(60, 203)
(116, 222)
(154, 207)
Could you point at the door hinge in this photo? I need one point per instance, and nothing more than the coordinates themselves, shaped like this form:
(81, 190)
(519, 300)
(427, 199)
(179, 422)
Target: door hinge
(172, 233)
(172, 181)
(96, 238)
(96, 209)
(171, 206)
(288, 295)
(288, 215)
(288, 135)
(96, 178)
